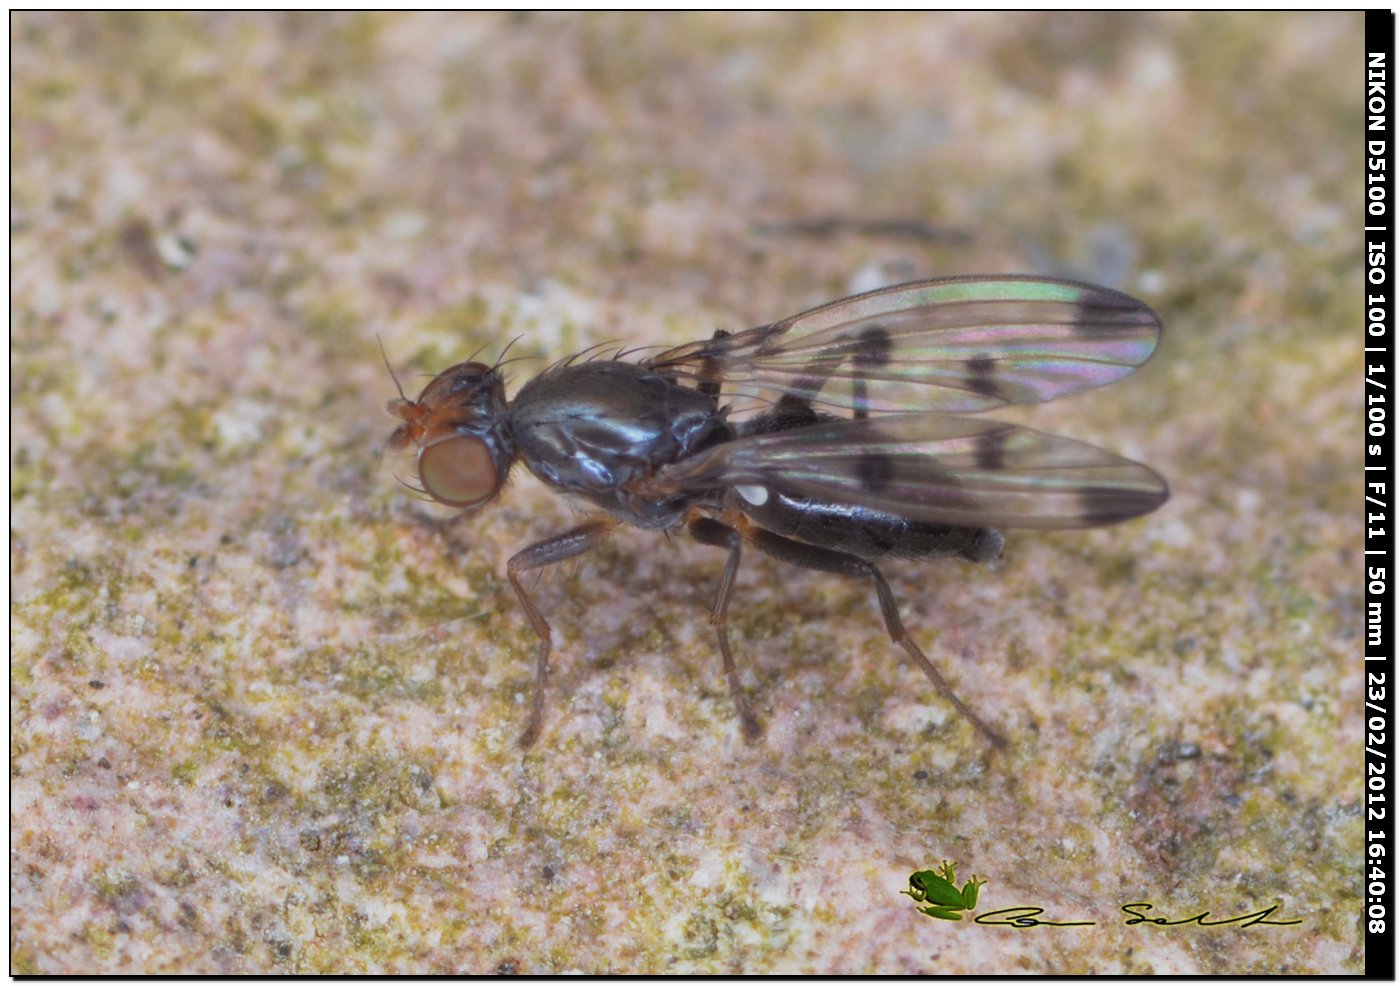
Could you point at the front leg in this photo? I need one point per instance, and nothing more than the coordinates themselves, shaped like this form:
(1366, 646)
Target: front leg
(550, 551)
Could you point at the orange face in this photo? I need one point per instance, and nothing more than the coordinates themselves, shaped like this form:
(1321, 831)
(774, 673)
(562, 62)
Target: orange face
(458, 428)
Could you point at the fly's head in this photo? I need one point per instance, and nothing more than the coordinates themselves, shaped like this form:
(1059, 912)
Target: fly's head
(459, 428)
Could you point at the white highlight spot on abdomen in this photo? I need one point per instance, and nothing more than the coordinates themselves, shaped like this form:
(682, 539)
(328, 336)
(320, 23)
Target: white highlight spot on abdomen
(756, 495)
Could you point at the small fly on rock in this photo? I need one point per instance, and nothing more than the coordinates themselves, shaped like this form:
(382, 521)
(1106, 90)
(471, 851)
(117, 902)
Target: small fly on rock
(831, 440)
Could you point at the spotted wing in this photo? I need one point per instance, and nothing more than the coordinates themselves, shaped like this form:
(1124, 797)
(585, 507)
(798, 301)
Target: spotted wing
(940, 469)
(954, 345)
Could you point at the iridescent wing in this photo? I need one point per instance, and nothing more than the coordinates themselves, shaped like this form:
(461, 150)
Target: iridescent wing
(957, 345)
(941, 469)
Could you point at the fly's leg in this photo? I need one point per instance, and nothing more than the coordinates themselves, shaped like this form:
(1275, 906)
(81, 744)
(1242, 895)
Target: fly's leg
(709, 531)
(839, 563)
(550, 551)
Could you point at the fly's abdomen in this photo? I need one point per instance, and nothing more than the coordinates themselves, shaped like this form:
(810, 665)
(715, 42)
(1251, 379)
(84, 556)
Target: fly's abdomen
(869, 534)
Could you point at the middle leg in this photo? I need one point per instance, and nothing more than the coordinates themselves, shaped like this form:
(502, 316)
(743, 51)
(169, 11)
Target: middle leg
(706, 530)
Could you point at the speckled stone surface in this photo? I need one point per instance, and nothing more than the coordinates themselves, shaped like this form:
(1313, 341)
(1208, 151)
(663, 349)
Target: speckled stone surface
(264, 702)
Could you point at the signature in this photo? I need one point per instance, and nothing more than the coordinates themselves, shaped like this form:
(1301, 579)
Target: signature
(938, 891)
(1243, 920)
(1029, 917)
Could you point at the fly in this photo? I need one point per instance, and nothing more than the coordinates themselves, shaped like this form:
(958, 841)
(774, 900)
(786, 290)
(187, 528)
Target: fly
(831, 440)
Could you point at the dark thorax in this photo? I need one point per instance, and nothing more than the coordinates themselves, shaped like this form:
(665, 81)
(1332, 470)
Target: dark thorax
(595, 430)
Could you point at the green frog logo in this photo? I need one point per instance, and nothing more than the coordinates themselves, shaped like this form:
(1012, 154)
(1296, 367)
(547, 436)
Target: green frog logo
(939, 890)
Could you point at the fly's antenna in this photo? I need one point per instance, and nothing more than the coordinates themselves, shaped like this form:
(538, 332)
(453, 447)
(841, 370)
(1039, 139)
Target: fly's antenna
(379, 459)
(392, 375)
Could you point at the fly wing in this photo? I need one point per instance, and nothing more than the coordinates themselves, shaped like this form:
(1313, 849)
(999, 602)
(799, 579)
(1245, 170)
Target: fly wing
(939, 469)
(957, 345)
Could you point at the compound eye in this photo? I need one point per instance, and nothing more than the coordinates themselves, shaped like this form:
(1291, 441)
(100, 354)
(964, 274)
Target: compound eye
(457, 470)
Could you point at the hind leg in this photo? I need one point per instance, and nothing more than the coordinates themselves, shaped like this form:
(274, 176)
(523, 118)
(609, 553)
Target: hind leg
(805, 555)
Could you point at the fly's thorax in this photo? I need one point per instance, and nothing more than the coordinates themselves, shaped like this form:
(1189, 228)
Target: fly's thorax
(594, 428)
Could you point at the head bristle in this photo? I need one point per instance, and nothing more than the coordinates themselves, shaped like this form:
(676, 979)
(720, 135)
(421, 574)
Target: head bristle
(475, 353)
(500, 360)
(409, 486)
